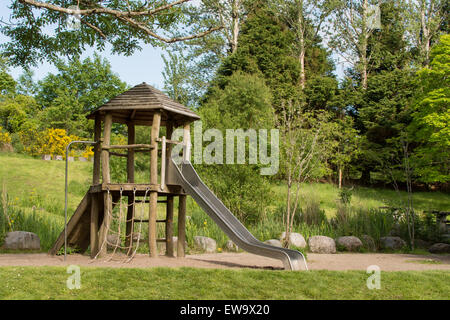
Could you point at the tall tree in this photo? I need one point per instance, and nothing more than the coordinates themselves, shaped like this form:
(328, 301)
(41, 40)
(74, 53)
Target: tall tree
(427, 19)
(42, 30)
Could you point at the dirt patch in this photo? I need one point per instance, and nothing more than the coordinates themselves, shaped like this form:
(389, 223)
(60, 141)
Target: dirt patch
(342, 261)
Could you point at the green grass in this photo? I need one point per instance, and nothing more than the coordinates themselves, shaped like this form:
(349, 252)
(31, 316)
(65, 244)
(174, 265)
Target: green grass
(366, 198)
(188, 283)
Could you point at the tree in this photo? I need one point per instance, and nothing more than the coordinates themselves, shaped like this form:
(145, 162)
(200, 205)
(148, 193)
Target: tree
(306, 18)
(426, 20)
(126, 25)
(77, 89)
(303, 136)
(244, 103)
(352, 26)
(429, 128)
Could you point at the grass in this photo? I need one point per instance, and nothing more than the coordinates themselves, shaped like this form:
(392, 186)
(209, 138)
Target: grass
(189, 283)
(426, 261)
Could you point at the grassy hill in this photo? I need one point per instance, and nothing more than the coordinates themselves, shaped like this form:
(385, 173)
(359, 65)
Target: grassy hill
(35, 189)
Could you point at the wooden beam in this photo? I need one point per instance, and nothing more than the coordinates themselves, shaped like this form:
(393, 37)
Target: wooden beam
(128, 146)
(130, 179)
(181, 226)
(94, 225)
(153, 207)
(105, 154)
(73, 222)
(97, 149)
(169, 226)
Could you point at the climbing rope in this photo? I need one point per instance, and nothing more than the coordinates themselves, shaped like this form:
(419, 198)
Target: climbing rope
(119, 220)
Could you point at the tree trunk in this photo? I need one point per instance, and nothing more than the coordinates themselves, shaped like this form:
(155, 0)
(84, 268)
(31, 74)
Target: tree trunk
(340, 177)
(235, 23)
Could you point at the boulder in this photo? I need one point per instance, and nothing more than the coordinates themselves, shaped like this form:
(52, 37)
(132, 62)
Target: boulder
(392, 243)
(47, 157)
(274, 242)
(440, 248)
(59, 158)
(368, 242)
(321, 244)
(82, 159)
(206, 244)
(231, 246)
(6, 147)
(70, 158)
(349, 243)
(22, 240)
(295, 239)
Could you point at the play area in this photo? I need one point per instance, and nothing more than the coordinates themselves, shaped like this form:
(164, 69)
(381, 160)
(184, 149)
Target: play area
(93, 219)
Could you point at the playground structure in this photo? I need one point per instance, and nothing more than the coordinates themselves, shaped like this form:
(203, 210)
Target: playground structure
(92, 221)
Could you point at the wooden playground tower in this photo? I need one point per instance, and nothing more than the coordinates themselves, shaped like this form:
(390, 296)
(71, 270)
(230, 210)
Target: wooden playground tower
(142, 105)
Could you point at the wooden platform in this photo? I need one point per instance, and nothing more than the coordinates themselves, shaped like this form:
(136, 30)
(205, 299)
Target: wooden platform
(128, 188)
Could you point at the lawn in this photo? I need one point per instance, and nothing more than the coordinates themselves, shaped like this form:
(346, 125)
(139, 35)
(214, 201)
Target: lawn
(188, 283)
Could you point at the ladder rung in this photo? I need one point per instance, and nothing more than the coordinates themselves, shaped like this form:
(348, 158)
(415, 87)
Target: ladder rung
(146, 220)
(147, 201)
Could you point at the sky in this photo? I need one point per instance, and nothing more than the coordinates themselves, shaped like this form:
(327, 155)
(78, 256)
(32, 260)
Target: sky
(143, 66)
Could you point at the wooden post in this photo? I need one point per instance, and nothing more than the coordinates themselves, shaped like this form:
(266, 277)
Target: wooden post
(187, 142)
(107, 199)
(169, 208)
(169, 226)
(130, 179)
(94, 225)
(97, 149)
(153, 208)
(181, 226)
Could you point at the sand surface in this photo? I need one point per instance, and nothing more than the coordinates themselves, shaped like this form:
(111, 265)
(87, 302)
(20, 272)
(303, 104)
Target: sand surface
(341, 261)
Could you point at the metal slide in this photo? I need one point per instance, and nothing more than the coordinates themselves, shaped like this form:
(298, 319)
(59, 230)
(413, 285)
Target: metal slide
(233, 228)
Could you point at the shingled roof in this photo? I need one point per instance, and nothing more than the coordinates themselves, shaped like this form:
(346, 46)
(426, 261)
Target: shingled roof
(139, 103)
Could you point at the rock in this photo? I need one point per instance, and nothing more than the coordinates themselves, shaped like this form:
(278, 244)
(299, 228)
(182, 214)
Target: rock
(46, 157)
(349, 243)
(421, 244)
(368, 242)
(70, 158)
(274, 242)
(295, 239)
(392, 243)
(321, 244)
(112, 240)
(231, 246)
(59, 158)
(22, 240)
(440, 248)
(82, 159)
(206, 244)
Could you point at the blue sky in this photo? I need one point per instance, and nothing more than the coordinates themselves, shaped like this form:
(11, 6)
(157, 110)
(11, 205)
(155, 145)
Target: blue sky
(145, 65)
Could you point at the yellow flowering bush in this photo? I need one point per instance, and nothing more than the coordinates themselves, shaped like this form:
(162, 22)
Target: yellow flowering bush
(50, 141)
(4, 137)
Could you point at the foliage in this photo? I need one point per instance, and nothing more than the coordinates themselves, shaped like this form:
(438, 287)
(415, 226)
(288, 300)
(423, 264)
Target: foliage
(50, 141)
(431, 117)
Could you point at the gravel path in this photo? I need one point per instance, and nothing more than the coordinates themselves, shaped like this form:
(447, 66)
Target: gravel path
(341, 261)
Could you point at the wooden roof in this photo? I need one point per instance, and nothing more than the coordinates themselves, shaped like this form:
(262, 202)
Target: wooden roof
(139, 103)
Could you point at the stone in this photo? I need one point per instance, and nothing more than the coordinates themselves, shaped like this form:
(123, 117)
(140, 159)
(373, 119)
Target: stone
(47, 157)
(349, 243)
(112, 240)
(6, 147)
(70, 158)
(274, 242)
(231, 246)
(206, 244)
(295, 239)
(368, 242)
(59, 158)
(392, 243)
(440, 248)
(321, 244)
(82, 159)
(22, 240)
